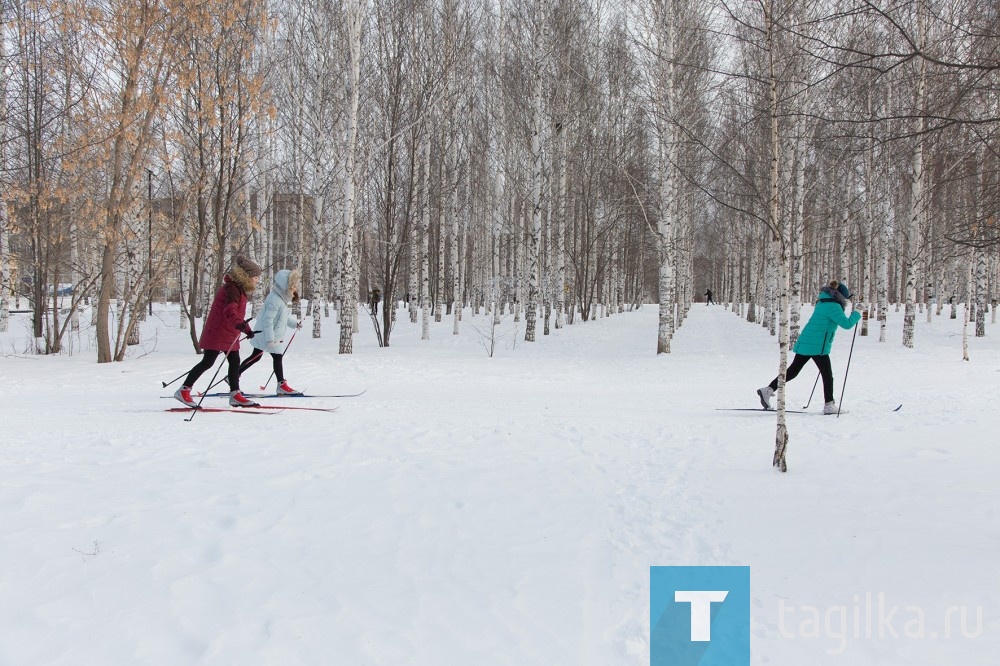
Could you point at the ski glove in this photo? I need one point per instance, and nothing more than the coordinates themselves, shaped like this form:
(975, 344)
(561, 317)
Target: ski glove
(249, 332)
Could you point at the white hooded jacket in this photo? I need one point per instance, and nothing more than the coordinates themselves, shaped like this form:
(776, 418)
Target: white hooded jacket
(274, 319)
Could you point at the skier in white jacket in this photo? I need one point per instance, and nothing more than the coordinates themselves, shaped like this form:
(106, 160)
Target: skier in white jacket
(273, 322)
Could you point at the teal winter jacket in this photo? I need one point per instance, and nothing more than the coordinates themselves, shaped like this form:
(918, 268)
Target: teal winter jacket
(816, 337)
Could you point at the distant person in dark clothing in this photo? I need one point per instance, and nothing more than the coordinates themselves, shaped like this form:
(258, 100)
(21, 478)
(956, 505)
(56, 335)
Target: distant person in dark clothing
(708, 296)
(373, 300)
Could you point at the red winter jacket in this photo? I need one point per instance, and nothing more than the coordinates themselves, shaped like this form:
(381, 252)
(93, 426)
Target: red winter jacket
(225, 321)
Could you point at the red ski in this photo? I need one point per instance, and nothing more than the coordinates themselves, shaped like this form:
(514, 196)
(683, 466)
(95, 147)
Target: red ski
(308, 409)
(243, 410)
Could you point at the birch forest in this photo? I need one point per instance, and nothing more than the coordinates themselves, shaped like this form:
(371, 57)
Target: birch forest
(553, 161)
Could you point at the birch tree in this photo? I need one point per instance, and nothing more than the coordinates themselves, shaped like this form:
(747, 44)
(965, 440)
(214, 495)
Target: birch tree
(425, 232)
(780, 231)
(537, 128)
(912, 256)
(5, 255)
(663, 96)
(354, 16)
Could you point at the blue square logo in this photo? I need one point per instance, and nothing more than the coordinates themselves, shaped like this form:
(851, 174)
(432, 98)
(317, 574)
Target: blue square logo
(699, 616)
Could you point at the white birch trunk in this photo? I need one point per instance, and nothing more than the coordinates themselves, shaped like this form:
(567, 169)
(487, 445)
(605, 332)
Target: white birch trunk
(257, 248)
(315, 309)
(798, 230)
(953, 314)
(537, 169)
(301, 244)
(559, 231)
(780, 237)
(620, 307)
(515, 271)
(913, 245)
(916, 205)
(495, 230)
(667, 152)
(425, 232)
(74, 266)
(771, 317)
(928, 261)
(349, 308)
(456, 303)
(978, 263)
(267, 217)
(183, 258)
(965, 317)
(934, 297)
(337, 270)
(5, 285)
(864, 290)
(980, 292)
(5, 276)
(843, 244)
(439, 304)
(316, 269)
(412, 291)
(882, 286)
(327, 257)
(546, 270)
(133, 305)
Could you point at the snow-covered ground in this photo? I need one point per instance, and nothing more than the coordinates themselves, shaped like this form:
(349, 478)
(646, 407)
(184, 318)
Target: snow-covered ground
(506, 510)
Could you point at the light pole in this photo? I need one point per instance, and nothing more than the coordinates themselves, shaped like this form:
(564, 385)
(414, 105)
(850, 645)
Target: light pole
(149, 226)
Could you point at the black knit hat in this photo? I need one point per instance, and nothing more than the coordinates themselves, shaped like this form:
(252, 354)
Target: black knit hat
(249, 266)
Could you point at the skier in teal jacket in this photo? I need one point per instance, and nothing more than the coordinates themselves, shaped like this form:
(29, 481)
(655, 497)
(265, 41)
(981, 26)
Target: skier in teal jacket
(815, 342)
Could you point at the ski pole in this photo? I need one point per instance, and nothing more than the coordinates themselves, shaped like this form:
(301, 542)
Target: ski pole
(268, 380)
(806, 406)
(226, 379)
(209, 389)
(226, 357)
(166, 384)
(843, 386)
(290, 341)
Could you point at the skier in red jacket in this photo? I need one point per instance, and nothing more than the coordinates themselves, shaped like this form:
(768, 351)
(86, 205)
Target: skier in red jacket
(222, 330)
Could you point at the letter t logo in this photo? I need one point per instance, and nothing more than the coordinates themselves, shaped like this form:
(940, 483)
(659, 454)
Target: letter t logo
(701, 610)
(699, 616)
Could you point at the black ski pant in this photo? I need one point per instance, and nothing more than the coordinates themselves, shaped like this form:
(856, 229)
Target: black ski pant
(825, 370)
(279, 372)
(208, 360)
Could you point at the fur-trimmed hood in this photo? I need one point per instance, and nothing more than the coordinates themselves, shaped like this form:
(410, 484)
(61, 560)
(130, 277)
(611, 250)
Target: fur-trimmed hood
(240, 277)
(286, 284)
(830, 293)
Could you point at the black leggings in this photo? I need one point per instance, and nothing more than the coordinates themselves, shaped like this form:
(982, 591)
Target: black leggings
(208, 360)
(822, 362)
(279, 373)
